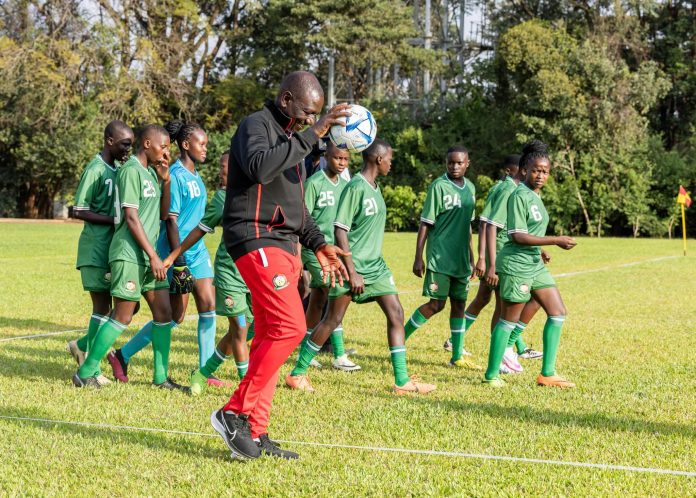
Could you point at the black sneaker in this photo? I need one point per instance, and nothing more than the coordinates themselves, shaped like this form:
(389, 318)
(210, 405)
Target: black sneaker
(270, 448)
(88, 382)
(170, 385)
(236, 432)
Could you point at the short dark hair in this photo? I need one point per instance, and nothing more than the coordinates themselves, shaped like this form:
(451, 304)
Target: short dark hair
(457, 148)
(377, 148)
(148, 130)
(512, 160)
(115, 126)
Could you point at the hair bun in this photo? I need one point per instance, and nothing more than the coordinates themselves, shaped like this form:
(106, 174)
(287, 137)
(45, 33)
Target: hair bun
(534, 147)
(174, 128)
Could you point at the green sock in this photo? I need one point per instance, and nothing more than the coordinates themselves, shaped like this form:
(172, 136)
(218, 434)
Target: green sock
(337, 342)
(458, 330)
(398, 360)
(213, 363)
(307, 353)
(416, 321)
(83, 342)
(552, 338)
(106, 336)
(520, 345)
(94, 323)
(242, 367)
(307, 336)
(161, 343)
(516, 335)
(499, 339)
(250, 332)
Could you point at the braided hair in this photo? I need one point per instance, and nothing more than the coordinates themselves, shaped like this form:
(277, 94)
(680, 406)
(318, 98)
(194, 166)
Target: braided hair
(180, 131)
(533, 150)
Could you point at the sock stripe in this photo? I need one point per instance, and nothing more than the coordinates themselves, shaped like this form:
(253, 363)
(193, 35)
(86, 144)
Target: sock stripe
(457, 331)
(469, 316)
(220, 355)
(313, 346)
(161, 324)
(117, 324)
(557, 318)
(507, 324)
(242, 364)
(414, 323)
(398, 350)
(207, 314)
(101, 318)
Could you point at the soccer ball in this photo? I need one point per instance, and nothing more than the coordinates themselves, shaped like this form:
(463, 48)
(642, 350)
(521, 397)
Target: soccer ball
(359, 132)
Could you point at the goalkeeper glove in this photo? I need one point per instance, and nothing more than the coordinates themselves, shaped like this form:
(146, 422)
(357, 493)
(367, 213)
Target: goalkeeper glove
(182, 280)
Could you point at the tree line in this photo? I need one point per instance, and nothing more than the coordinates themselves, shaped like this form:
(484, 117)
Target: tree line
(609, 85)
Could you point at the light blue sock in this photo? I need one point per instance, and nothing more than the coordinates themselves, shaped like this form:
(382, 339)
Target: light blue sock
(206, 337)
(139, 341)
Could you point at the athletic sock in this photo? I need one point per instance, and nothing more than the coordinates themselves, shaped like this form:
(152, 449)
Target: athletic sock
(499, 339)
(242, 367)
(398, 361)
(161, 343)
(416, 321)
(458, 330)
(552, 338)
(139, 341)
(250, 332)
(308, 334)
(83, 342)
(94, 323)
(106, 336)
(337, 342)
(516, 336)
(214, 362)
(307, 353)
(206, 336)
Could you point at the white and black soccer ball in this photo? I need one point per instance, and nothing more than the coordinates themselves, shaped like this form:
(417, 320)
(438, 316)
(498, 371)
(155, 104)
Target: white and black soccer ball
(359, 132)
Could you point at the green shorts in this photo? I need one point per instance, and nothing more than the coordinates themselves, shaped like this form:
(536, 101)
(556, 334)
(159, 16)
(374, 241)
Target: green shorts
(383, 286)
(130, 280)
(440, 286)
(314, 269)
(232, 302)
(95, 278)
(515, 289)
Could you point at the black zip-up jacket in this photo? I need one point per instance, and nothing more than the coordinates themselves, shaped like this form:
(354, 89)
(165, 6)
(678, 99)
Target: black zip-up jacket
(265, 206)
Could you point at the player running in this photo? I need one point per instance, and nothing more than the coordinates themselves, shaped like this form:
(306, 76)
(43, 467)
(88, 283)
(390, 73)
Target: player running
(322, 193)
(359, 228)
(446, 225)
(193, 270)
(232, 298)
(94, 203)
(523, 274)
(135, 267)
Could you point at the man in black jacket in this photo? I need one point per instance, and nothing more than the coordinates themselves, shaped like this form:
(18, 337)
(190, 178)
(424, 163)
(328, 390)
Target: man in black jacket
(264, 223)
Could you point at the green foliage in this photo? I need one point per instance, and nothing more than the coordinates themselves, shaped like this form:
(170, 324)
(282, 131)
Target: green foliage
(403, 207)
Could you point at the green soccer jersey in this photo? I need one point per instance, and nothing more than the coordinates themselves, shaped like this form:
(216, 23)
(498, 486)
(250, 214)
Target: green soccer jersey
(139, 188)
(227, 275)
(499, 211)
(449, 210)
(525, 214)
(321, 198)
(95, 193)
(486, 212)
(363, 214)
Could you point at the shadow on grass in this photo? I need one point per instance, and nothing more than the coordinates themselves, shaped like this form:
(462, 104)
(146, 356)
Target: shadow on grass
(562, 419)
(186, 445)
(33, 326)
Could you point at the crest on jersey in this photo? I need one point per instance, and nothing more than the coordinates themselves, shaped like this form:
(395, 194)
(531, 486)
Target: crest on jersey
(107, 276)
(229, 302)
(433, 287)
(130, 286)
(524, 288)
(280, 281)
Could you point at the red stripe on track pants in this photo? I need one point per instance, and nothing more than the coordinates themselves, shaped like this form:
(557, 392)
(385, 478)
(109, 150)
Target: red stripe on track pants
(279, 326)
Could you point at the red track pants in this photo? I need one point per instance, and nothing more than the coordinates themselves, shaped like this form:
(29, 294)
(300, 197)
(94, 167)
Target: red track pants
(279, 326)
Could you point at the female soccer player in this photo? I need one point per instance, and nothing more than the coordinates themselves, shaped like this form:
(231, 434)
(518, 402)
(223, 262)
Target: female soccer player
(135, 267)
(188, 200)
(522, 272)
(94, 203)
(446, 224)
(322, 193)
(232, 297)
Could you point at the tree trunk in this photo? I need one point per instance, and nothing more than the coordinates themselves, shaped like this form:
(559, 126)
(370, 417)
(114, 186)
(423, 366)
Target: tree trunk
(670, 226)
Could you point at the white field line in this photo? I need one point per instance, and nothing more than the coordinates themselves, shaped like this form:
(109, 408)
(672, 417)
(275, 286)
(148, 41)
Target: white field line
(473, 284)
(450, 454)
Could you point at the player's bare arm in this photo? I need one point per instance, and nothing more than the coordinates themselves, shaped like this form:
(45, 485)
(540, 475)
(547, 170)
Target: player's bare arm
(471, 252)
(136, 229)
(418, 264)
(491, 233)
(357, 283)
(90, 217)
(194, 236)
(480, 267)
(525, 239)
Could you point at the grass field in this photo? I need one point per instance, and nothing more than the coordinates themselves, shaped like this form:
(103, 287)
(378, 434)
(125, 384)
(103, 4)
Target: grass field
(629, 343)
